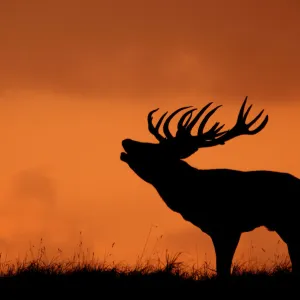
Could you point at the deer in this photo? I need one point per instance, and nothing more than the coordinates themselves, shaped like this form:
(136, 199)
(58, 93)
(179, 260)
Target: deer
(222, 203)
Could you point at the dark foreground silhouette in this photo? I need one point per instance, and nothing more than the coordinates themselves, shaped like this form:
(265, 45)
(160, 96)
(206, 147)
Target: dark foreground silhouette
(171, 274)
(223, 203)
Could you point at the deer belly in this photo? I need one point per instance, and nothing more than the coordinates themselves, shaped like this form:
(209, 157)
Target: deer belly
(209, 221)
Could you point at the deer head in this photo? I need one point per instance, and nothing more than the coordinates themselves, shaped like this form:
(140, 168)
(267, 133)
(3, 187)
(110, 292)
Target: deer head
(148, 159)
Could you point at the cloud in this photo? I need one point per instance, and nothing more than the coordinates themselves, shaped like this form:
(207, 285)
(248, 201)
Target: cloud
(151, 48)
(33, 185)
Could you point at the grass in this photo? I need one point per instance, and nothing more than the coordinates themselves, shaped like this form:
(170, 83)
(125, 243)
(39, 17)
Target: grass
(83, 270)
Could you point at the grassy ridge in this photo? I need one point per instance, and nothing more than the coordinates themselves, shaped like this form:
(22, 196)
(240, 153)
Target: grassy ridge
(83, 272)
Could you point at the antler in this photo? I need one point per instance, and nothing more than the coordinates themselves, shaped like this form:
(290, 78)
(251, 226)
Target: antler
(210, 138)
(240, 127)
(184, 127)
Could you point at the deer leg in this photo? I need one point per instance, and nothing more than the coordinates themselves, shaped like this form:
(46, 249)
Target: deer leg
(225, 244)
(294, 253)
(293, 244)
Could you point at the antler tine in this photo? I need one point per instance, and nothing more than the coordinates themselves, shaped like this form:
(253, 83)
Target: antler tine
(168, 120)
(188, 126)
(260, 127)
(201, 134)
(240, 128)
(198, 116)
(215, 131)
(181, 128)
(184, 126)
(154, 130)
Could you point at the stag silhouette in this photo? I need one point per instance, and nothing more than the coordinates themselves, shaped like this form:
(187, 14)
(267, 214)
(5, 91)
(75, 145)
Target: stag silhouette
(223, 203)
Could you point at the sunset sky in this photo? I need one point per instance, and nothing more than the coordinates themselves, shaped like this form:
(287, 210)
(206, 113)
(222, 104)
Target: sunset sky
(77, 77)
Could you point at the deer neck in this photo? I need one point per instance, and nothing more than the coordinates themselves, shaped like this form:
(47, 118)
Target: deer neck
(174, 181)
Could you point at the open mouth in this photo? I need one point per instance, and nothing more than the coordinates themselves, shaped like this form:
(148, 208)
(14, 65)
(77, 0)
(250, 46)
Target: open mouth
(124, 156)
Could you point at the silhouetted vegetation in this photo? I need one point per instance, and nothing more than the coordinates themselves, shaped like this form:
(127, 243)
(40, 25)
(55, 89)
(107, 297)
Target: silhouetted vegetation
(84, 271)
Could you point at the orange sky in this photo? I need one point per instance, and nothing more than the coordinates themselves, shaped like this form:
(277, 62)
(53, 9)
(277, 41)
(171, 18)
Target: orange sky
(77, 77)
